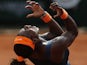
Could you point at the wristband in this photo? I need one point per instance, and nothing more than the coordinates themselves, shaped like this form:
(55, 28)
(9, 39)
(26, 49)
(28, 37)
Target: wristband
(46, 17)
(64, 15)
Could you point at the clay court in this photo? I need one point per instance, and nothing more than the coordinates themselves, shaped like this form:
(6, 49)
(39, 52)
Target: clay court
(78, 50)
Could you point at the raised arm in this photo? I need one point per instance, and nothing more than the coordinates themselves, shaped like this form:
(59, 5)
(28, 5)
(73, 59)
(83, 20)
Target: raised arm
(71, 28)
(68, 20)
(38, 11)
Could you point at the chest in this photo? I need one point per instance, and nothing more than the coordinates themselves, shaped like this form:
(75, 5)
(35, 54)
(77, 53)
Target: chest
(47, 52)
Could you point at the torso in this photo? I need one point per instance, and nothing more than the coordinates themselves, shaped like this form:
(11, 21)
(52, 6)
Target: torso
(49, 53)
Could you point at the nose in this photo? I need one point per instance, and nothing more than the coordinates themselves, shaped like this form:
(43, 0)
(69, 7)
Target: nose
(27, 26)
(34, 26)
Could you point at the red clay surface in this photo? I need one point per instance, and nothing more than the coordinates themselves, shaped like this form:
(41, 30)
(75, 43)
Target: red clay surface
(78, 50)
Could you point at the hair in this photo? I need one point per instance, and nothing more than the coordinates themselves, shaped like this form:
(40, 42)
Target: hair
(23, 50)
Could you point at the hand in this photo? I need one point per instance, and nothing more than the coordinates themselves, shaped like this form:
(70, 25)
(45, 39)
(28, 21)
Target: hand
(55, 7)
(36, 8)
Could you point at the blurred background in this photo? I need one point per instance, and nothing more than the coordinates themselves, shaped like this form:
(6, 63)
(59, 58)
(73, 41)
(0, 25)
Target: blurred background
(13, 17)
(13, 12)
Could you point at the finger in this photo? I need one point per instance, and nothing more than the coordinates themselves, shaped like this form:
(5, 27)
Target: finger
(31, 2)
(50, 7)
(29, 15)
(54, 4)
(28, 7)
(36, 5)
(28, 0)
(55, 16)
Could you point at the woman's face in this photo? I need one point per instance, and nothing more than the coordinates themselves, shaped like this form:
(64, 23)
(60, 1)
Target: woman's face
(33, 31)
(30, 31)
(32, 28)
